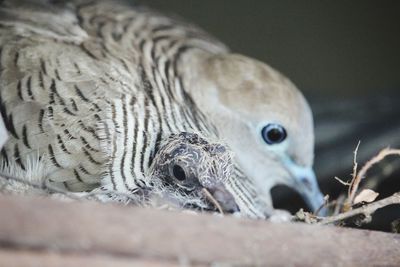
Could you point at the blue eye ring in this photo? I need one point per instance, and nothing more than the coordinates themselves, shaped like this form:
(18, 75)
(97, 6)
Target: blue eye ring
(273, 134)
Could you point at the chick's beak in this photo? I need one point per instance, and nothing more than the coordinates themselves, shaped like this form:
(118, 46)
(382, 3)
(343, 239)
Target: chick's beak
(305, 183)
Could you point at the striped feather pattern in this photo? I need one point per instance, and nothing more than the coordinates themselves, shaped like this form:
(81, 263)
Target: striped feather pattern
(96, 96)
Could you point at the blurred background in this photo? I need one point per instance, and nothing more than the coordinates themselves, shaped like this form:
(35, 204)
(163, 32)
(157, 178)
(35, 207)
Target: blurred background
(344, 56)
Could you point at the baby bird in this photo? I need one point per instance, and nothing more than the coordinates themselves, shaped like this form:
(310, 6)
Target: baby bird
(190, 171)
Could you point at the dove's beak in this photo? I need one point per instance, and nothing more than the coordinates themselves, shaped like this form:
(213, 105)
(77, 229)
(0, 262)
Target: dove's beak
(305, 183)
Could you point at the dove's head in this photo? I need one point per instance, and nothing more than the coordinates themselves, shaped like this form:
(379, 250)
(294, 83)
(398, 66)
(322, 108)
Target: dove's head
(264, 119)
(186, 164)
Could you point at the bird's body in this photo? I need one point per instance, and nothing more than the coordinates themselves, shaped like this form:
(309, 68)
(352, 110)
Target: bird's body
(80, 98)
(91, 89)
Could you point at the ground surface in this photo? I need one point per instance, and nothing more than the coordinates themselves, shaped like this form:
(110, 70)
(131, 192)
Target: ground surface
(44, 232)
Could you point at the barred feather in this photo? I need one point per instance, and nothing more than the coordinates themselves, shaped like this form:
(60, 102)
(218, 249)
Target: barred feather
(92, 88)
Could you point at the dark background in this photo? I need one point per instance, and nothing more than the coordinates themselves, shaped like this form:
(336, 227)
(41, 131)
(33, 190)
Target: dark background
(344, 55)
(326, 47)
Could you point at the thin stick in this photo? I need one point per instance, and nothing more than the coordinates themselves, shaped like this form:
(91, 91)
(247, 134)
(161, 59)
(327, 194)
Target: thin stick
(210, 197)
(339, 204)
(355, 166)
(367, 210)
(353, 188)
(341, 181)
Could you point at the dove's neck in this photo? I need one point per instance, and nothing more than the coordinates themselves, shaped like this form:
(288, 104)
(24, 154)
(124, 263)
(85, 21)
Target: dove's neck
(194, 69)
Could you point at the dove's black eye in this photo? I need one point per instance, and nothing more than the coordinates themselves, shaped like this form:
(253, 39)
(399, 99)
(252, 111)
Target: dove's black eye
(273, 134)
(178, 173)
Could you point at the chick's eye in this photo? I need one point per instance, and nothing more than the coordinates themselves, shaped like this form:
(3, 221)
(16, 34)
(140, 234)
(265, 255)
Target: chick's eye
(178, 173)
(273, 134)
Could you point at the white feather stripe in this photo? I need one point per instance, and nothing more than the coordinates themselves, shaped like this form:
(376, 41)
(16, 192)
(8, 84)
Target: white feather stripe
(130, 137)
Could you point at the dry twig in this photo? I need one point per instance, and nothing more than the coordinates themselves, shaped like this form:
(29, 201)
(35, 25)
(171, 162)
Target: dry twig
(366, 210)
(210, 197)
(353, 188)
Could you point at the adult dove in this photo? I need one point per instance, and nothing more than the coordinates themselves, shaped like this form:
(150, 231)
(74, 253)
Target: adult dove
(90, 89)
